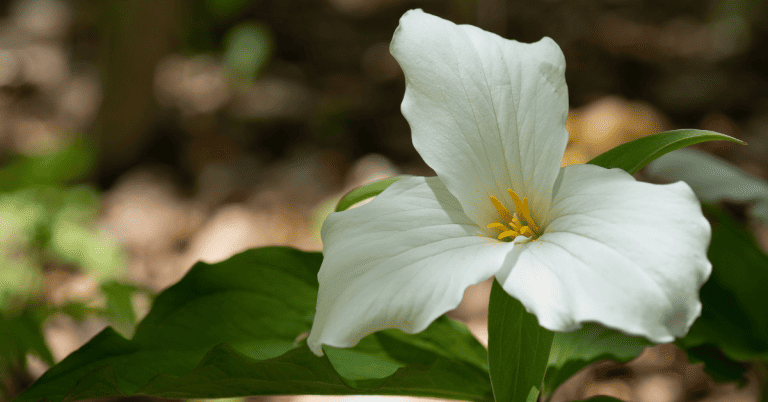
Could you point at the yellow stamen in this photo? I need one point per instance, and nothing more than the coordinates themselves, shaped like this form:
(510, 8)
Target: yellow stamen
(508, 233)
(521, 207)
(502, 210)
(497, 225)
(518, 224)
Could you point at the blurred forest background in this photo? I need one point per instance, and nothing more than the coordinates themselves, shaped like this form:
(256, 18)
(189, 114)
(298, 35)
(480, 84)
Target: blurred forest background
(138, 137)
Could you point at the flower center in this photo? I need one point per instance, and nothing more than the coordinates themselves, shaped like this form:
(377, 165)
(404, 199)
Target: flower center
(518, 224)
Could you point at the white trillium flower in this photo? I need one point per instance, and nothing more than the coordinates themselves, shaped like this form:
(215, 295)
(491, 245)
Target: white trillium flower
(574, 244)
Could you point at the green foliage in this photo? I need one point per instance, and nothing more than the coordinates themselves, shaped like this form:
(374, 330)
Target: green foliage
(21, 334)
(68, 163)
(45, 224)
(248, 48)
(733, 326)
(234, 329)
(383, 353)
(634, 155)
(518, 348)
(78, 311)
(572, 351)
(119, 306)
(45, 221)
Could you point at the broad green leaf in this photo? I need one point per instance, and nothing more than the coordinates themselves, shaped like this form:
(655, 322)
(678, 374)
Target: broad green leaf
(365, 192)
(518, 348)
(445, 337)
(235, 328)
(533, 395)
(734, 298)
(223, 372)
(634, 155)
(381, 354)
(572, 351)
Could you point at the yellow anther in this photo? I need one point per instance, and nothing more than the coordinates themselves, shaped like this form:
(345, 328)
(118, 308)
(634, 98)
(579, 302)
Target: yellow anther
(518, 224)
(497, 225)
(508, 233)
(521, 207)
(502, 210)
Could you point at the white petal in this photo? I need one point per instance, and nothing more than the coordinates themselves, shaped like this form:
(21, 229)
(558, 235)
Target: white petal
(400, 261)
(487, 114)
(713, 179)
(627, 254)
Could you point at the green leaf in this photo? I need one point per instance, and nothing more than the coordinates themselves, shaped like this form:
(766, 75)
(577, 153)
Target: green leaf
(572, 351)
(381, 354)
(365, 192)
(78, 311)
(733, 317)
(298, 371)
(518, 348)
(234, 328)
(445, 337)
(22, 333)
(634, 155)
(119, 306)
